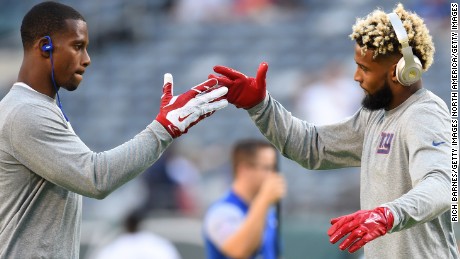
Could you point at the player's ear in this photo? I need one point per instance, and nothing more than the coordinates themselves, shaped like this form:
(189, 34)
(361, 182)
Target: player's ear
(393, 73)
(39, 45)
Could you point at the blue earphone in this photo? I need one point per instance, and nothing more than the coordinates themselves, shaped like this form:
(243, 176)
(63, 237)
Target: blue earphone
(49, 47)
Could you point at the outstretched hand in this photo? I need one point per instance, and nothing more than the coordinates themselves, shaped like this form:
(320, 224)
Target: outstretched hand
(243, 91)
(179, 113)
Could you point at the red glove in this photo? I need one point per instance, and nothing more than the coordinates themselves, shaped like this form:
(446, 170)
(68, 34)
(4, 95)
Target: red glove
(244, 92)
(179, 113)
(363, 226)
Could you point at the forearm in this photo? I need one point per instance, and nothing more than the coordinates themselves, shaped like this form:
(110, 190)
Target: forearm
(117, 166)
(62, 158)
(291, 136)
(325, 147)
(426, 201)
(248, 237)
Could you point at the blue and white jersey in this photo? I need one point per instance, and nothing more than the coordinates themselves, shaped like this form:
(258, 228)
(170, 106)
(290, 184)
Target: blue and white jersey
(224, 218)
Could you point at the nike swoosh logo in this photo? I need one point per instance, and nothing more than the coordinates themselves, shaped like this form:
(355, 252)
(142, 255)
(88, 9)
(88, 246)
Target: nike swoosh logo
(435, 144)
(183, 118)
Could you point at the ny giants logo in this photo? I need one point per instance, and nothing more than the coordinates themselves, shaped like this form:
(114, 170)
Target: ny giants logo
(385, 143)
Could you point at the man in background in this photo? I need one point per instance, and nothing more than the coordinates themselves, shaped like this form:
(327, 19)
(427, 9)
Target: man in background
(243, 223)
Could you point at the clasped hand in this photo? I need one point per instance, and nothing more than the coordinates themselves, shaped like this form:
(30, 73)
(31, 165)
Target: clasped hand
(243, 91)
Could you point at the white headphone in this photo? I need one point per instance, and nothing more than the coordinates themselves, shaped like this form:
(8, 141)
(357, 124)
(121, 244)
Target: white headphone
(409, 68)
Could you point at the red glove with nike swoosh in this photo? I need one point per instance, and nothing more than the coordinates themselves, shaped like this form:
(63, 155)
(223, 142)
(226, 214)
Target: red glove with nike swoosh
(363, 226)
(243, 91)
(179, 113)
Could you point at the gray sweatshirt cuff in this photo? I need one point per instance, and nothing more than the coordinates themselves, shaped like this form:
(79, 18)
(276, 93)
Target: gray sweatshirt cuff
(160, 131)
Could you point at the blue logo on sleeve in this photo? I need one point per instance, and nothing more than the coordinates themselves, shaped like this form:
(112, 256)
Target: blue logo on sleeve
(435, 144)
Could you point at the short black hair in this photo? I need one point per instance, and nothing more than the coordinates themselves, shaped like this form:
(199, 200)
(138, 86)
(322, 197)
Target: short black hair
(44, 19)
(246, 150)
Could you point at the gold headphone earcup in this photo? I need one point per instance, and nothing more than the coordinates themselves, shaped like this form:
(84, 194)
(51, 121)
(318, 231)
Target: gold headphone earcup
(409, 75)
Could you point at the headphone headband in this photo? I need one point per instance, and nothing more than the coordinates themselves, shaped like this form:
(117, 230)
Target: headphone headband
(399, 29)
(403, 39)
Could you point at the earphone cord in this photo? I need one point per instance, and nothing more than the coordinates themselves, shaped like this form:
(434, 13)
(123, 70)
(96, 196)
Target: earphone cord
(55, 87)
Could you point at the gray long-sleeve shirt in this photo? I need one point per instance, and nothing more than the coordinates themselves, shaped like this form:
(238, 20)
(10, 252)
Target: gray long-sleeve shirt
(45, 168)
(404, 156)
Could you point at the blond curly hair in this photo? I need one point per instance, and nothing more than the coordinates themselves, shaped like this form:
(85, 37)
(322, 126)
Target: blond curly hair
(376, 33)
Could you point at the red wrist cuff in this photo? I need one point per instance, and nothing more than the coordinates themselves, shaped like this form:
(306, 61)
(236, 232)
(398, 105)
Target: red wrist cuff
(169, 127)
(386, 212)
